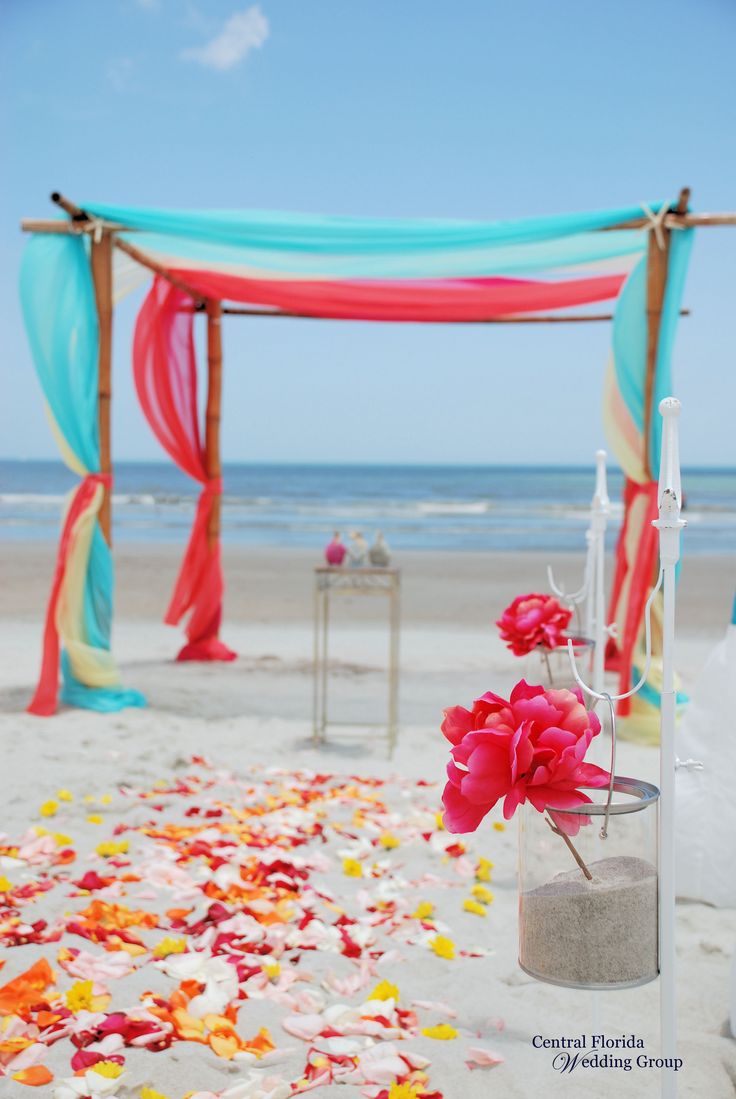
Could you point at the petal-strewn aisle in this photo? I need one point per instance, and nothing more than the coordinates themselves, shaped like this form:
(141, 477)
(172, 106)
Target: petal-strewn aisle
(267, 926)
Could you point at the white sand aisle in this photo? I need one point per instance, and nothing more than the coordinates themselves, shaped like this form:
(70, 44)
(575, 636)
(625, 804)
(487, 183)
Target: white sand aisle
(247, 718)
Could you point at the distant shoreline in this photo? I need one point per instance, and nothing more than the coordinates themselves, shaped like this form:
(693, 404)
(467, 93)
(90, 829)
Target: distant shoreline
(572, 467)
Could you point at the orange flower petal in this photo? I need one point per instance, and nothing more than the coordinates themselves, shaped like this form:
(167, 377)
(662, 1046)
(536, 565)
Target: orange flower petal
(35, 1076)
(224, 1045)
(25, 990)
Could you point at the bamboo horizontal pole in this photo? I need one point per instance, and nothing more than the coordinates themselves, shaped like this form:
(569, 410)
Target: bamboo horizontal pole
(157, 269)
(674, 220)
(69, 207)
(537, 318)
(677, 221)
(39, 225)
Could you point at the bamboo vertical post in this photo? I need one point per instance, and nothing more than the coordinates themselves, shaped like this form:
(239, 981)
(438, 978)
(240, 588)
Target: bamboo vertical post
(213, 464)
(101, 262)
(658, 253)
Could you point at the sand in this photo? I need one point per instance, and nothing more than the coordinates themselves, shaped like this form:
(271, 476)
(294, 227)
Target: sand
(257, 712)
(592, 933)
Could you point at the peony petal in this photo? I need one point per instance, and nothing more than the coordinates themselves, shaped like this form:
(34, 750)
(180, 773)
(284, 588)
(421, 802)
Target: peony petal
(460, 815)
(458, 721)
(478, 1057)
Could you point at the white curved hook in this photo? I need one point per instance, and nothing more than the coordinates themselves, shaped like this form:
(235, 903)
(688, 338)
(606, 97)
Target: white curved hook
(647, 664)
(581, 594)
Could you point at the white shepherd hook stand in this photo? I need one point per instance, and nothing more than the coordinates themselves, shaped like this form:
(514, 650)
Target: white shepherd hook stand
(592, 591)
(669, 524)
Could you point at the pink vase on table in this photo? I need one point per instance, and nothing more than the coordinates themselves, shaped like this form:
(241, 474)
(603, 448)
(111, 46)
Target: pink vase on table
(335, 551)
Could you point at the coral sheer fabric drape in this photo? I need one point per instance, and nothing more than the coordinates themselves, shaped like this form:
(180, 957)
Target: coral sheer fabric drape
(438, 300)
(165, 372)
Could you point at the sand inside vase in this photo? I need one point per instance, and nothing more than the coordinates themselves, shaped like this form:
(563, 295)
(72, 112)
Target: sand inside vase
(599, 932)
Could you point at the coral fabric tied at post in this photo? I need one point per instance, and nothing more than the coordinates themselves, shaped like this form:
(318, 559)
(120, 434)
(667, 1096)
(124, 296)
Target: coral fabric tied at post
(199, 586)
(165, 372)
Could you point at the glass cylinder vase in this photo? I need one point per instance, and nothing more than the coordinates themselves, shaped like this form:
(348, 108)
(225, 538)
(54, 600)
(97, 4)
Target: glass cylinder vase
(588, 904)
(552, 669)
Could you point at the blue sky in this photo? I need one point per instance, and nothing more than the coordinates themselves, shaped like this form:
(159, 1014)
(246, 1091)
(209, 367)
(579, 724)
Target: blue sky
(393, 107)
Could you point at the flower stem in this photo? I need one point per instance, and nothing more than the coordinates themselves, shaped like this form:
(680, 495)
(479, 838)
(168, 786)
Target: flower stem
(572, 848)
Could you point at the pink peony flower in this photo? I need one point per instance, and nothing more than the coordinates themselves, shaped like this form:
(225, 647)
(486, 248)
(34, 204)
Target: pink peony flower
(533, 620)
(531, 747)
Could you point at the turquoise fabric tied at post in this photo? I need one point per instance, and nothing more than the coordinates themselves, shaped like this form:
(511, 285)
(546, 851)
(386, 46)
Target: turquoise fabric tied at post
(681, 243)
(629, 340)
(58, 301)
(637, 445)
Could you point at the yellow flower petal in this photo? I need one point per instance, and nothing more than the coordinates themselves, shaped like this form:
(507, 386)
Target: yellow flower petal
(443, 947)
(94, 818)
(473, 906)
(443, 1032)
(384, 990)
(499, 826)
(5, 885)
(49, 809)
(389, 840)
(109, 1069)
(352, 868)
(439, 822)
(423, 911)
(482, 894)
(151, 1093)
(108, 848)
(168, 946)
(403, 1091)
(106, 799)
(483, 870)
(65, 795)
(79, 996)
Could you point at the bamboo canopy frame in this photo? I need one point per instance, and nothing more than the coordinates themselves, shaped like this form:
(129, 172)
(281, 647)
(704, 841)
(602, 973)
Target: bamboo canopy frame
(105, 237)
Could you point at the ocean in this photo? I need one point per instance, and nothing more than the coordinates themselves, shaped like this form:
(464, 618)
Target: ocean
(507, 508)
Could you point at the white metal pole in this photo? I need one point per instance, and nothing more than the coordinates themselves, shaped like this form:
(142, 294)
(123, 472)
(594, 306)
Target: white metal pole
(601, 508)
(669, 525)
(590, 577)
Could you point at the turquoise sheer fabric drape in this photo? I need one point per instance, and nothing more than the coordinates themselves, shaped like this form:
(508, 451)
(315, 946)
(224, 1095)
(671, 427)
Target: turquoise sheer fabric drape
(581, 249)
(341, 247)
(356, 236)
(629, 342)
(58, 301)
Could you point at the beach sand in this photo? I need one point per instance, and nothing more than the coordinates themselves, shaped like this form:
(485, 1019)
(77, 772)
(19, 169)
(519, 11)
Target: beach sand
(256, 713)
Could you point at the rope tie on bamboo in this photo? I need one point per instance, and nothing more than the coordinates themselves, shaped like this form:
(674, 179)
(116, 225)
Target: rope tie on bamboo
(656, 222)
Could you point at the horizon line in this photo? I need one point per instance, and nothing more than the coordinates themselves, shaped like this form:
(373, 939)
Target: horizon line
(354, 464)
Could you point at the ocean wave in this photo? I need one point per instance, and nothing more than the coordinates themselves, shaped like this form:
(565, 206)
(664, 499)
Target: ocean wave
(451, 507)
(33, 499)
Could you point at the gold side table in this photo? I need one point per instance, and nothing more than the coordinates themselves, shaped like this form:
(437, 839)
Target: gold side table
(330, 581)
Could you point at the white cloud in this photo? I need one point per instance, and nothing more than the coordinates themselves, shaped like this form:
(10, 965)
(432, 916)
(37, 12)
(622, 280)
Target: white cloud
(244, 31)
(120, 73)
